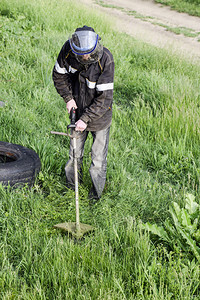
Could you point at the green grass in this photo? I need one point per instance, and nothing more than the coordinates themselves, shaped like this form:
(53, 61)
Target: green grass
(179, 30)
(153, 160)
(103, 4)
(191, 7)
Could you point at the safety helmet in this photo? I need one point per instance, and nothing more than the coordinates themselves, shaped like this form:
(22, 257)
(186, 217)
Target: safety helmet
(85, 41)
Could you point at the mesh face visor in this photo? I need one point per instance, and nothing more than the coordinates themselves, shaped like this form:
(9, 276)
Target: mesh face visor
(83, 42)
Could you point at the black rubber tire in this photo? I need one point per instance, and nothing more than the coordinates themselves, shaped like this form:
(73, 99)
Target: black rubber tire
(18, 165)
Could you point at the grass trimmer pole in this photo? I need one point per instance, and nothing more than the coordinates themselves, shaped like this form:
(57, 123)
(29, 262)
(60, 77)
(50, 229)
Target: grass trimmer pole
(76, 187)
(76, 229)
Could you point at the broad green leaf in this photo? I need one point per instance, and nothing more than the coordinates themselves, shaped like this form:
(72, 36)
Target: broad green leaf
(197, 235)
(195, 224)
(186, 221)
(191, 205)
(157, 230)
(177, 210)
(174, 215)
(171, 230)
(174, 235)
(193, 246)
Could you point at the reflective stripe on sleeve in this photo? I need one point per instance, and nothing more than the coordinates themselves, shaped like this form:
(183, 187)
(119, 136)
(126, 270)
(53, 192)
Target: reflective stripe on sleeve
(64, 70)
(90, 84)
(59, 69)
(104, 87)
(72, 70)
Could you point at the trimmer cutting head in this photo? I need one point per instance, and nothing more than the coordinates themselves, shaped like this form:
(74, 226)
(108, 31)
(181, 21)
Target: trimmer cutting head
(71, 228)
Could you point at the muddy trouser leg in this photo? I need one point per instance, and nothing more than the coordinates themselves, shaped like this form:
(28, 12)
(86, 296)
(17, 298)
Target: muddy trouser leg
(98, 166)
(69, 167)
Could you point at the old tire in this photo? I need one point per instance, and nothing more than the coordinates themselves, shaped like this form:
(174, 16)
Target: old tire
(18, 165)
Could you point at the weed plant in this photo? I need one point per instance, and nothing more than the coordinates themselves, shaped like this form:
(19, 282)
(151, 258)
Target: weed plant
(153, 160)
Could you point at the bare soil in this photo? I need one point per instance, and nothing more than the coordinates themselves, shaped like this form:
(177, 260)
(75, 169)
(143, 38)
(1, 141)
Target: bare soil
(152, 23)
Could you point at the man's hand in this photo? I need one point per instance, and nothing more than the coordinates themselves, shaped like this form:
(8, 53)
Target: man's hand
(80, 125)
(71, 104)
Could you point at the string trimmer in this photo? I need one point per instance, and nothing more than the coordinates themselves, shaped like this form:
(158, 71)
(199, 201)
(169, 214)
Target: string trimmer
(76, 229)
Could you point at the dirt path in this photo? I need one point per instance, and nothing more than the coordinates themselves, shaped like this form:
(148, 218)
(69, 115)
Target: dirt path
(153, 23)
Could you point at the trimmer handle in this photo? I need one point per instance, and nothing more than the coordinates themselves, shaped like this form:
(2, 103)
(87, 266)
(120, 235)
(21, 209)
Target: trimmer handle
(72, 134)
(72, 118)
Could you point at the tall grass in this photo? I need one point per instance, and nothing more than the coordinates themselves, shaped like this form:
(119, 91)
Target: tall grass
(153, 160)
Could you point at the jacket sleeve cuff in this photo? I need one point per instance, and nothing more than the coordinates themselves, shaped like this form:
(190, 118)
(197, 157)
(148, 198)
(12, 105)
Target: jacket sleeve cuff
(85, 119)
(67, 98)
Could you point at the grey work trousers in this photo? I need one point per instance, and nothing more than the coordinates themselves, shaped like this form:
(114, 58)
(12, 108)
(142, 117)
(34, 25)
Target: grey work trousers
(98, 166)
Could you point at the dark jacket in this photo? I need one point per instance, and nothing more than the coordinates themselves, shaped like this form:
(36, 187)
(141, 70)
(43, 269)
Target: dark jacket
(91, 86)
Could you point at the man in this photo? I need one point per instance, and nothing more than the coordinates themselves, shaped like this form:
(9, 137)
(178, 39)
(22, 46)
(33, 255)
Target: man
(83, 76)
